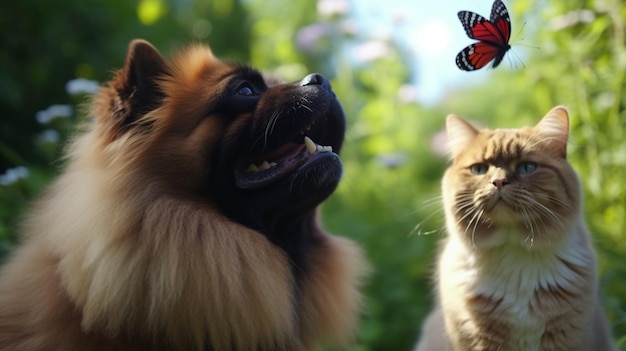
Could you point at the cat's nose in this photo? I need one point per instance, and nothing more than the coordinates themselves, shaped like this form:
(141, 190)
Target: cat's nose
(499, 183)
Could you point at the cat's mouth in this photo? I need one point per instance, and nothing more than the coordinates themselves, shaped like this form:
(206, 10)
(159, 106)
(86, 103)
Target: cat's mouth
(499, 202)
(496, 201)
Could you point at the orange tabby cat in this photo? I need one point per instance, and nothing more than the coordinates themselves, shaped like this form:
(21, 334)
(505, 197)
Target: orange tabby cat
(517, 271)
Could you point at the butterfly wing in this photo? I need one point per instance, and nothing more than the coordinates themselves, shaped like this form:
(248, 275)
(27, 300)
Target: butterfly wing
(470, 20)
(501, 20)
(493, 36)
(479, 28)
(478, 55)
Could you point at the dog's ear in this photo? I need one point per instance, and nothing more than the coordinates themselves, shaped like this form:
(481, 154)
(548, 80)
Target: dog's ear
(144, 67)
(136, 87)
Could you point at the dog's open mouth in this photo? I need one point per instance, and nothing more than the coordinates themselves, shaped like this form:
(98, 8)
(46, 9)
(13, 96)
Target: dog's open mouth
(280, 163)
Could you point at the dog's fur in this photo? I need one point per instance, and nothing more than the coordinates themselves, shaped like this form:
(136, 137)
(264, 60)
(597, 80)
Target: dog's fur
(156, 238)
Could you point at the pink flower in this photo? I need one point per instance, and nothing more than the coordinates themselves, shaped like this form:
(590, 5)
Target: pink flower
(308, 37)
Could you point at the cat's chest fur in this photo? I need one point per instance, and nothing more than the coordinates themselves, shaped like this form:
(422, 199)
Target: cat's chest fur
(513, 297)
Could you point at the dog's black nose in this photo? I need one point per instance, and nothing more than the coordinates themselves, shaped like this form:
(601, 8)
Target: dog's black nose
(315, 79)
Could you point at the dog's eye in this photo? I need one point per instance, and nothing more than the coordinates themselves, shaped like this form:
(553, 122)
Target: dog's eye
(245, 90)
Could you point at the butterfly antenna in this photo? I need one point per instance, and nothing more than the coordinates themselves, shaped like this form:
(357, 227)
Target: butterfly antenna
(521, 29)
(522, 39)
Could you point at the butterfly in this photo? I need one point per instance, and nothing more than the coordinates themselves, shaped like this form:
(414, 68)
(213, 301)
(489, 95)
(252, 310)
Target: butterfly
(493, 36)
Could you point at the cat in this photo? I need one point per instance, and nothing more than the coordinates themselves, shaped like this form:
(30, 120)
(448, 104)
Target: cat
(517, 270)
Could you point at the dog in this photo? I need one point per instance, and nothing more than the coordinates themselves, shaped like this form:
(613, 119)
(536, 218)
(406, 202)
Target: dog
(186, 218)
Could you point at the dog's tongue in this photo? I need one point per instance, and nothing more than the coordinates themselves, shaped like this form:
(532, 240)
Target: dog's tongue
(289, 150)
(286, 152)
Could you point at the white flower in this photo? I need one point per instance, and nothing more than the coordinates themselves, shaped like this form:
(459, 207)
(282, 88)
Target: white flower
(349, 27)
(52, 112)
(81, 86)
(12, 175)
(332, 8)
(372, 50)
(49, 136)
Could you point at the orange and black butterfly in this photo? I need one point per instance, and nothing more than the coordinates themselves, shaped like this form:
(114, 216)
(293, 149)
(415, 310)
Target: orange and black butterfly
(492, 34)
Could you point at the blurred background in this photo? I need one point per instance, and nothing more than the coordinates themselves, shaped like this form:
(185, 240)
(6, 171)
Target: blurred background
(392, 66)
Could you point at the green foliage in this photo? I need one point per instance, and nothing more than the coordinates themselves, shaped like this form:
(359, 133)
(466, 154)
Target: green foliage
(389, 197)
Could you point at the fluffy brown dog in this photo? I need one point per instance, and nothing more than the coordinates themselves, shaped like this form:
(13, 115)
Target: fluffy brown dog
(186, 219)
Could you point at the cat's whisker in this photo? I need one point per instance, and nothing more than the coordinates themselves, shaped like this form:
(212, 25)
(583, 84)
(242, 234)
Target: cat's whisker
(538, 214)
(556, 201)
(471, 212)
(429, 203)
(462, 212)
(436, 200)
(463, 207)
(526, 213)
(534, 217)
(524, 205)
(540, 218)
(542, 209)
(417, 230)
(536, 211)
(475, 219)
(466, 208)
(469, 224)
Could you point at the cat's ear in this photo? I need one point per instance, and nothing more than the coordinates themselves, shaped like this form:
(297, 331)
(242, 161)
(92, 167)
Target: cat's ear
(460, 134)
(554, 127)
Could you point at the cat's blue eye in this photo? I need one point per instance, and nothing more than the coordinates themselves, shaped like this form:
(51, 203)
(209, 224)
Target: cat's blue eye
(479, 168)
(526, 167)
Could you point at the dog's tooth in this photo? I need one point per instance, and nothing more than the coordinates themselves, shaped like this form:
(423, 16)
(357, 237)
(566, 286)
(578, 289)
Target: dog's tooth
(311, 147)
(252, 168)
(321, 148)
(265, 165)
(272, 164)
